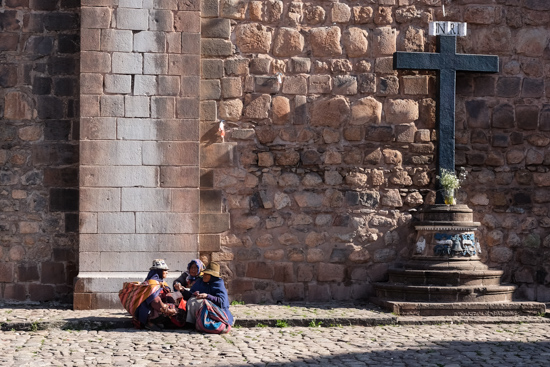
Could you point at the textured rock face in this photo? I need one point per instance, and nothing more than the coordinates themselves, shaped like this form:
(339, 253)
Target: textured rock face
(344, 145)
(327, 148)
(39, 101)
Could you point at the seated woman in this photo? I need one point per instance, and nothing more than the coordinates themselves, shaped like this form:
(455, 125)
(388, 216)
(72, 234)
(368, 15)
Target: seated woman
(189, 277)
(208, 309)
(148, 301)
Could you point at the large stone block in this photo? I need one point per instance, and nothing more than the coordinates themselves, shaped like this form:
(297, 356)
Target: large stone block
(95, 17)
(6, 272)
(234, 9)
(326, 41)
(90, 83)
(161, 20)
(120, 176)
(95, 62)
(136, 106)
(177, 176)
(356, 42)
(170, 153)
(209, 243)
(531, 41)
(288, 42)
(99, 199)
(295, 85)
(332, 112)
(253, 38)
(257, 106)
(216, 47)
(150, 222)
(134, 19)
(214, 223)
(215, 28)
(155, 63)
(118, 83)
(138, 242)
(386, 40)
(87, 222)
(211, 201)
(127, 63)
(116, 40)
(148, 41)
(145, 200)
(259, 269)
(114, 222)
(401, 110)
(366, 111)
(145, 85)
(185, 200)
(217, 155)
(157, 129)
(141, 261)
(110, 153)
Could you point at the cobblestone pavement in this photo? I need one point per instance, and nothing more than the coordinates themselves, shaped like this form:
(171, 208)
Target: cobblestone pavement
(418, 345)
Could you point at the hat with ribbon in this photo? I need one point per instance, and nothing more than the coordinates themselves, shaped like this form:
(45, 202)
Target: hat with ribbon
(213, 269)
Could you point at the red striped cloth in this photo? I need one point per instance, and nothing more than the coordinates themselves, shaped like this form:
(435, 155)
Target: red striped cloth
(133, 294)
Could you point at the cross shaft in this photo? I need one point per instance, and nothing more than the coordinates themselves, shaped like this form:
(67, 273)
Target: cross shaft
(446, 62)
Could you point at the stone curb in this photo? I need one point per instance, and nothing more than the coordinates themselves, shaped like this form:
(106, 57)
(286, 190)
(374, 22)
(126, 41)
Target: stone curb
(107, 323)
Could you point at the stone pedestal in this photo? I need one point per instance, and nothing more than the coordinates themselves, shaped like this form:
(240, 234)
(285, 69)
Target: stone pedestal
(445, 275)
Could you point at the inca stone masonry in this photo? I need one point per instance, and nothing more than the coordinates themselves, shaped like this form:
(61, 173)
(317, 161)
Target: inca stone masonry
(111, 154)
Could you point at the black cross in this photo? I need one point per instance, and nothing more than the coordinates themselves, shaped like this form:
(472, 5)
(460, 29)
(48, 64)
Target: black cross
(447, 62)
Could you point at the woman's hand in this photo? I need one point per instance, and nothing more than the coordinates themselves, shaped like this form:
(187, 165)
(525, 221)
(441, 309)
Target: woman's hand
(200, 295)
(178, 286)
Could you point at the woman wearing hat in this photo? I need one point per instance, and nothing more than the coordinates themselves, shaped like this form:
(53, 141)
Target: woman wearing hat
(148, 301)
(209, 307)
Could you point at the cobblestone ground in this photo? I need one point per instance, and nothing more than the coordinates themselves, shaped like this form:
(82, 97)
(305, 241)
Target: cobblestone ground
(422, 345)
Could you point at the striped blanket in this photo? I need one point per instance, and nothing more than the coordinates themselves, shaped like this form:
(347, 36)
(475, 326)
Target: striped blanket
(133, 294)
(212, 319)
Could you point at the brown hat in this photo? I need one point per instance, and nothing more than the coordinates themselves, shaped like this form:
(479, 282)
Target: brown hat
(213, 269)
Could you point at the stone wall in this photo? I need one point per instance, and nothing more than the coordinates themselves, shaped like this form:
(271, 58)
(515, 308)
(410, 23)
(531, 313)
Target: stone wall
(335, 149)
(39, 44)
(328, 150)
(139, 161)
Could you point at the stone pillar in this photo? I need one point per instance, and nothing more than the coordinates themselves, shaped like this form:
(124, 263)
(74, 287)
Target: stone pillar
(139, 149)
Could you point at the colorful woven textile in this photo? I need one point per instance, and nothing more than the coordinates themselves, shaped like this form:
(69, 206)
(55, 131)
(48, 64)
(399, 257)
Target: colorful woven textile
(212, 319)
(133, 294)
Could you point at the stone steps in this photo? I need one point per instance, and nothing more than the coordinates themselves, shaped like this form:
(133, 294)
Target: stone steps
(428, 293)
(445, 278)
(507, 309)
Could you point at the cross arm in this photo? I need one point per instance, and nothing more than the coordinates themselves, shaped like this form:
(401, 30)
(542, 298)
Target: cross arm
(416, 60)
(476, 63)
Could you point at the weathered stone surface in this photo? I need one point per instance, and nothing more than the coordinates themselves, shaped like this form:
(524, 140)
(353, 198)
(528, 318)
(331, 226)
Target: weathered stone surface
(366, 111)
(320, 84)
(401, 110)
(392, 198)
(281, 110)
(288, 42)
(314, 14)
(326, 41)
(531, 41)
(330, 112)
(385, 40)
(257, 106)
(234, 9)
(253, 37)
(341, 13)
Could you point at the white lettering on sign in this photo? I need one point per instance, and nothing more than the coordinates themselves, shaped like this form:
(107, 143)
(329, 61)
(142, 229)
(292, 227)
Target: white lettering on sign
(448, 29)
